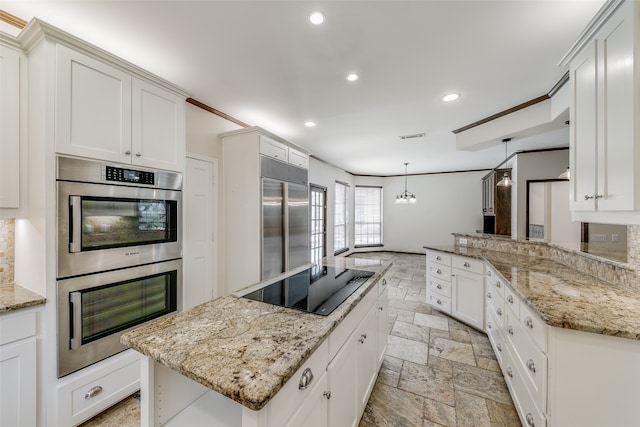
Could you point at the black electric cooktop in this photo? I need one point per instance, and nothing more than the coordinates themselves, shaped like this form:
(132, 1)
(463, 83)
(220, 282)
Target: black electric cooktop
(317, 290)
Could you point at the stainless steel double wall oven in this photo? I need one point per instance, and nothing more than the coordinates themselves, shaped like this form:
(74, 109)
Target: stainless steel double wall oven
(119, 255)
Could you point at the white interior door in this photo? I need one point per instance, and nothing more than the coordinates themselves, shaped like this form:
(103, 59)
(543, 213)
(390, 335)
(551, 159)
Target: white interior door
(200, 264)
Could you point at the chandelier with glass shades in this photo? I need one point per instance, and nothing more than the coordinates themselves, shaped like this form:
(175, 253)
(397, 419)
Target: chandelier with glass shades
(406, 196)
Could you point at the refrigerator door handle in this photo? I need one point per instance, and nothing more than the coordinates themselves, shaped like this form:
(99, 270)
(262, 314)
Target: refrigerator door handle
(285, 221)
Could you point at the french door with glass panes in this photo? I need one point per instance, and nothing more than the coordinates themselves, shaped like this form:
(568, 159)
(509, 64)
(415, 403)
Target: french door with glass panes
(318, 223)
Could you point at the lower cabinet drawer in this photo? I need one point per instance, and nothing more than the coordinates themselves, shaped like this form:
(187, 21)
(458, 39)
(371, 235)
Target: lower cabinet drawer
(529, 413)
(534, 326)
(496, 338)
(90, 391)
(439, 272)
(290, 397)
(441, 303)
(439, 286)
(495, 305)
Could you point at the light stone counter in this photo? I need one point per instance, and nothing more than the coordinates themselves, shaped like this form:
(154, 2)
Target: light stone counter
(244, 349)
(15, 297)
(561, 295)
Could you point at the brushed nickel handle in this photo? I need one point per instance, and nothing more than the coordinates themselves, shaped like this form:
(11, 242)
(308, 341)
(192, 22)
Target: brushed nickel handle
(489, 295)
(489, 273)
(510, 330)
(510, 299)
(510, 372)
(498, 284)
(499, 311)
(529, 419)
(439, 286)
(93, 392)
(127, 152)
(138, 154)
(439, 302)
(438, 271)
(381, 308)
(531, 365)
(489, 326)
(305, 379)
(327, 394)
(598, 196)
(438, 257)
(529, 322)
(466, 264)
(384, 282)
(499, 347)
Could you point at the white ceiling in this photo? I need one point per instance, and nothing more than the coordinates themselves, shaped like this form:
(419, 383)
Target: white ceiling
(265, 64)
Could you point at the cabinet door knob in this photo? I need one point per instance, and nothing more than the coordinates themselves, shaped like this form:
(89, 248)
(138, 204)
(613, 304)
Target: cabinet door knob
(384, 282)
(466, 264)
(138, 154)
(439, 271)
(305, 379)
(489, 326)
(499, 347)
(598, 196)
(127, 152)
(489, 295)
(439, 302)
(587, 197)
(381, 308)
(498, 285)
(438, 257)
(510, 330)
(510, 372)
(439, 286)
(510, 299)
(499, 311)
(327, 394)
(489, 273)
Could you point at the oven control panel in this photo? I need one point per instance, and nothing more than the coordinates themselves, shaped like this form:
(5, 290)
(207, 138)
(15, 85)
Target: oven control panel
(111, 173)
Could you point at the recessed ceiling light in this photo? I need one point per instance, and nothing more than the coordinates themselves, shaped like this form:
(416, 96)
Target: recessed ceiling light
(309, 124)
(316, 18)
(451, 97)
(353, 77)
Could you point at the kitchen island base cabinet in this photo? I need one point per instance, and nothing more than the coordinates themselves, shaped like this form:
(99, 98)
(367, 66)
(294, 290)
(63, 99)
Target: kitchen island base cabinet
(594, 379)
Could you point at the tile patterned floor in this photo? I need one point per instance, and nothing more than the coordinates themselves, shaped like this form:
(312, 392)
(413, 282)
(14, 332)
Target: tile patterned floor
(437, 371)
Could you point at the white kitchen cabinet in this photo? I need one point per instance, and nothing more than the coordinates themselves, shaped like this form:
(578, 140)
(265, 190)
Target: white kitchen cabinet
(343, 405)
(605, 117)
(467, 303)
(242, 151)
(104, 112)
(18, 368)
(367, 357)
(455, 285)
(383, 322)
(13, 144)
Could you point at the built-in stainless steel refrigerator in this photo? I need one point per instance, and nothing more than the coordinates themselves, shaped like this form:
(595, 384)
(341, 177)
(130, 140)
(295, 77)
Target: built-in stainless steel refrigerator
(285, 217)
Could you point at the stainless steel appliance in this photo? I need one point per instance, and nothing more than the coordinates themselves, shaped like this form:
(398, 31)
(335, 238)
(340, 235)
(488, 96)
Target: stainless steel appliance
(119, 255)
(285, 217)
(113, 216)
(95, 310)
(318, 290)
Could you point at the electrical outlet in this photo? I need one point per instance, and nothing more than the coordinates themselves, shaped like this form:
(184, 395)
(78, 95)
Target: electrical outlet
(615, 237)
(598, 238)
(462, 241)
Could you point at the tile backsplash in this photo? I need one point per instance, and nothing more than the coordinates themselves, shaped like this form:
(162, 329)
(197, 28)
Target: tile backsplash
(7, 228)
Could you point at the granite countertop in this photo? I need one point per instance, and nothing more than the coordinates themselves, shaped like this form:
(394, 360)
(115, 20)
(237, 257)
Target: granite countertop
(241, 348)
(562, 296)
(15, 297)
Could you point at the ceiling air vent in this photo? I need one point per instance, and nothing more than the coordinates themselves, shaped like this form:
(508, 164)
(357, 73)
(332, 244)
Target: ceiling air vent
(413, 136)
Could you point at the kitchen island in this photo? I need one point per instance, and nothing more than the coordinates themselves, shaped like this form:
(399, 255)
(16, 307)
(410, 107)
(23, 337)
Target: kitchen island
(567, 342)
(237, 355)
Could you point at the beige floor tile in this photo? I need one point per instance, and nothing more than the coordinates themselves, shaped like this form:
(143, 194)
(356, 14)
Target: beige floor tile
(431, 321)
(405, 349)
(428, 382)
(452, 350)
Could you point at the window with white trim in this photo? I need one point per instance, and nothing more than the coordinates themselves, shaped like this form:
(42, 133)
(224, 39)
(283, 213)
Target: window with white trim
(368, 216)
(340, 240)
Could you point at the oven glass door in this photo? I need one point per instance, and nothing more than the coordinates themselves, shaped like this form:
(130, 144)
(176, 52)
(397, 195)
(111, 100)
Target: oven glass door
(105, 222)
(96, 309)
(100, 312)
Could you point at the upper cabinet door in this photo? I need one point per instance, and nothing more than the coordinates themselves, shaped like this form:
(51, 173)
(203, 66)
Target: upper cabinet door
(93, 108)
(158, 127)
(11, 83)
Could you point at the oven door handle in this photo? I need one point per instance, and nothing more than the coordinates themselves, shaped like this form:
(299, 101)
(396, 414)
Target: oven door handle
(75, 224)
(75, 298)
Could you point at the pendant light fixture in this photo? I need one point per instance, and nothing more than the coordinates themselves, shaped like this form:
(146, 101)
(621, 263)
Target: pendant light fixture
(405, 197)
(505, 181)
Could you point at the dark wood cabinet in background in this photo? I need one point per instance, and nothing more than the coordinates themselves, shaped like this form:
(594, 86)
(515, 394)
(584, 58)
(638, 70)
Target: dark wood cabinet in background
(496, 204)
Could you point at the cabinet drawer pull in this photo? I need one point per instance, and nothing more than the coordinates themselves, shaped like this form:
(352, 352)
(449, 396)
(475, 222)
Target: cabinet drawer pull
(510, 330)
(587, 197)
(489, 325)
(439, 286)
(498, 285)
(127, 152)
(138, 154)
(529, 322)
(438, 257)
(466, 264)
(439, 302)
(305, 379)
(93, 392)
(489, 273)
(438, 271)
(499, 311)
(510, 372)
(529, 419)
(381, 308)
(327, 394)
(384, 282)
(598, 196)
(510, 299)
(489, 295)
(531, 365)
(499, 347)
